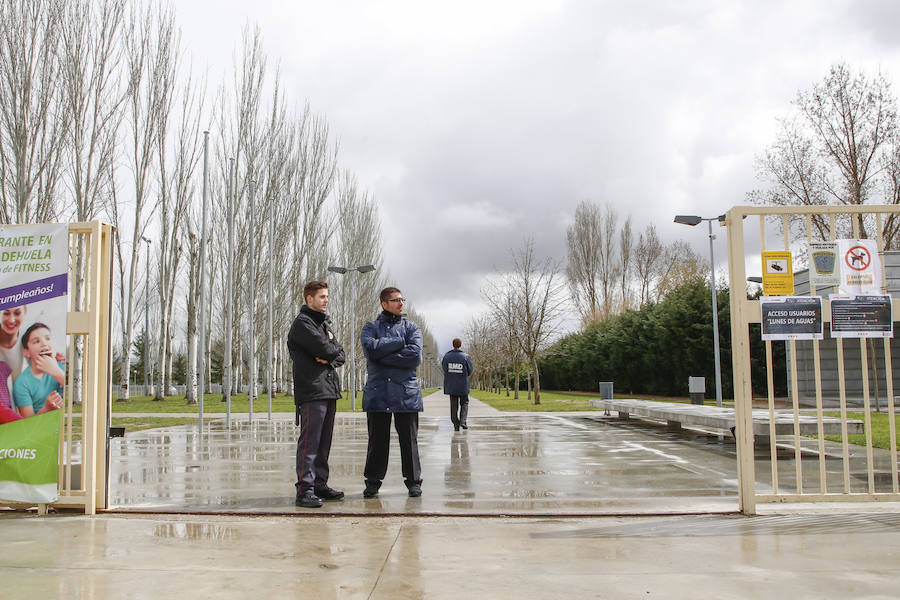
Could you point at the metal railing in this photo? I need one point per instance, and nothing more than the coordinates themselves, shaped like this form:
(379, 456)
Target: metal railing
(821, 470)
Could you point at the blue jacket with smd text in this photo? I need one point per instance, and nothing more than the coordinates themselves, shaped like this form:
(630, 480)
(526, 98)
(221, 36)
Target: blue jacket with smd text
(457, 367)
(393, 349)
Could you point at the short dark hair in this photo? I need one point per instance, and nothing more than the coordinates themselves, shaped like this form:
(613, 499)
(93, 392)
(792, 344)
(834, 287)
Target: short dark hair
(457, 342)
(28, 331)
(386, 293)
(312, 287)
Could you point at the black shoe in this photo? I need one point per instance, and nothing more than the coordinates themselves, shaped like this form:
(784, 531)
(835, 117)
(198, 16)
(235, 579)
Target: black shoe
(308, 500)
(463, 425)
(371, 490)
(415, 490)
(327, 493)
(456, 428)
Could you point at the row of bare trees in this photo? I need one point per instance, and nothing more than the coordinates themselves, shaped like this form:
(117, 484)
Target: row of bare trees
(102, 117)
(609, 272)
(840, 144)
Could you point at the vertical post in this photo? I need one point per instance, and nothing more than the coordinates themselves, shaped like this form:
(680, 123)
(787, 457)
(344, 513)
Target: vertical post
(740, 357)
(147, 322)
(353, 342)
(251, 392)
(202, 377)
(715, 317)
(229, 296)
(270, 371)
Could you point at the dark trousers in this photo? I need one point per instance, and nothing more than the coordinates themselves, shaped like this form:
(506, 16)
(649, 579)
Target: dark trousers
(459, 409)
(407, 426)
(314, 443)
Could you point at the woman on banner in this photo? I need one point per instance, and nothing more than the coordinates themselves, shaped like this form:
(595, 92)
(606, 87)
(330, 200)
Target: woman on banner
(12, 361)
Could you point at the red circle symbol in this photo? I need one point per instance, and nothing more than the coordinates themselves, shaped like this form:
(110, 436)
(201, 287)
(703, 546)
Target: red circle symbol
(857, 258)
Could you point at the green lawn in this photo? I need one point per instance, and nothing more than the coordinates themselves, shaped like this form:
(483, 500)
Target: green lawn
(550, 401)
(213, 407)
(881, 436)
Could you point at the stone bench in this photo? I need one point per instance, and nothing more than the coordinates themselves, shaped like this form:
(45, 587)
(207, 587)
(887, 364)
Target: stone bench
(722, 419)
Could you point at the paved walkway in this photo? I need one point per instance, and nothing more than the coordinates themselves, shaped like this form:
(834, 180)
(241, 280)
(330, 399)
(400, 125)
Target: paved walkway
(490, 483)
(393, 558)
(504, 464)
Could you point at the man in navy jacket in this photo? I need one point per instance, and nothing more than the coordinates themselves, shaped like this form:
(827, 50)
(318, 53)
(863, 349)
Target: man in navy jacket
(393, 348)
(457, 368)
(316, 354)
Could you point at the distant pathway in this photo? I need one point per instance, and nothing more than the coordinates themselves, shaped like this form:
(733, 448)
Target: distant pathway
(438, 405)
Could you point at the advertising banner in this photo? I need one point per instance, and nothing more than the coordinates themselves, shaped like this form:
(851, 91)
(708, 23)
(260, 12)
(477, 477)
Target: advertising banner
(29, 458)
(791, 318)
(854, 316)
(33, 305)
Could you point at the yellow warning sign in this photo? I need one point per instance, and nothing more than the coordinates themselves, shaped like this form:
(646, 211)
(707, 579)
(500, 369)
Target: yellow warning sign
(778, 273)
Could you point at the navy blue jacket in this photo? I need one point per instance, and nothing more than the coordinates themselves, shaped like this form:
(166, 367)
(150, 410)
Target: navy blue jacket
(393, 349)
(457, 368)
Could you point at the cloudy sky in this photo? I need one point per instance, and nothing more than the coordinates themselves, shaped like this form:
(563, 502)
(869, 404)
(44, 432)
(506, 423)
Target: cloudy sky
(478, 123)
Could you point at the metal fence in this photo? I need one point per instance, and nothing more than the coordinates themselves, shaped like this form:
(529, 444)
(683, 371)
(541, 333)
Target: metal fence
(794, 467)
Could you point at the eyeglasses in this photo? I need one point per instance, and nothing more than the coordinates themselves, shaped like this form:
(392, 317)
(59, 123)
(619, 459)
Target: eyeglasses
(401, 300)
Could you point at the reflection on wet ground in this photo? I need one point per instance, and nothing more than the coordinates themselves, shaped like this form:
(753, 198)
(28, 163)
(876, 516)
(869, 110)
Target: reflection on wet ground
(509, 464)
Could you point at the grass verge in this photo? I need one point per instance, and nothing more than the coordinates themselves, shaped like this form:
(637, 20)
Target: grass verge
(213, 406)
(550, 401)
(881, 432)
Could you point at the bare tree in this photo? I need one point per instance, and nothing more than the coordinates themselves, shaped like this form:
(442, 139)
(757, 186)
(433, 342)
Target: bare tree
(626, 249)
(178, 193)
(32, 125)
(647, 255)
(143, 103)
(93, 97)
(583, 243)
(839, 147)
(679, 264)
(358, 242)
(526, 300)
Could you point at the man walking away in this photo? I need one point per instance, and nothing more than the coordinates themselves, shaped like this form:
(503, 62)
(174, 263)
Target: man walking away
(393, 348)
(457, 368)
(316, 354)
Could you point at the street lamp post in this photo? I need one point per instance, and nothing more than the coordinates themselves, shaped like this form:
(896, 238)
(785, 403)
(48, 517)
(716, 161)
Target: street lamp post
(343, 271)
(147, 323)
(693, 220)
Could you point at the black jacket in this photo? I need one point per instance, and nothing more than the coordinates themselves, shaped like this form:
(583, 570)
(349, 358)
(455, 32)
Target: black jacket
(308, 340)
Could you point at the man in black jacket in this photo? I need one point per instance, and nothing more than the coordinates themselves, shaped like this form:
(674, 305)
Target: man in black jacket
(316, 354)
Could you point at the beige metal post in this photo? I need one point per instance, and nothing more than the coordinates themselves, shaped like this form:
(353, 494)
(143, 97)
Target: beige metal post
(743, 392)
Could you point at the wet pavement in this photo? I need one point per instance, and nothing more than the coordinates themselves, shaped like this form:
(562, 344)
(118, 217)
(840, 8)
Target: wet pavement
(225, 557)
(504, 464)
(520, 505)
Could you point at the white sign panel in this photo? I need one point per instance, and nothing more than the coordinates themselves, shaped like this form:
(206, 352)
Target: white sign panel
(824, 270)
(860, 267)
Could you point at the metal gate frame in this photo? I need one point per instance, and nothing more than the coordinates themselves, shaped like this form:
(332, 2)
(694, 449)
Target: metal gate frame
(744, 312)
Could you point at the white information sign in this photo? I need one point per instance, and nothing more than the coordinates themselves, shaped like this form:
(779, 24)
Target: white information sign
(824, 270)
(860, 267)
